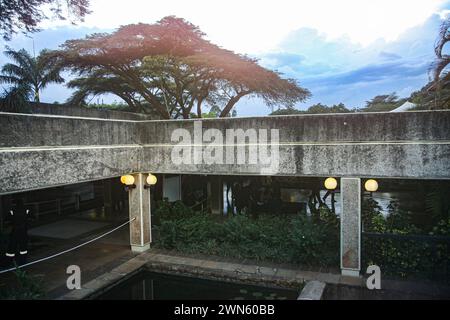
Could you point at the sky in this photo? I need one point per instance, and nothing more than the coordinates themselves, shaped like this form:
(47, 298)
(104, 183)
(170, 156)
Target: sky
(343, 51)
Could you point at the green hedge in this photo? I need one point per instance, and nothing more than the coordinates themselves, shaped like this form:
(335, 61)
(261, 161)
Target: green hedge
(293, 239)
(402, 248)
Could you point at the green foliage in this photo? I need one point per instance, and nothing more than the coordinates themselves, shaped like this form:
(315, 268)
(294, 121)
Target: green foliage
(327, 216)
(320, 108)
(286, 111)
(399, 249)
(372, 218)
(313, 241)
(437, 202)
(431, 97)
(294, 239)
(28, 288)
(385, 102)
(442, 228)
(397, 221)
(16, 99)
(314, 109)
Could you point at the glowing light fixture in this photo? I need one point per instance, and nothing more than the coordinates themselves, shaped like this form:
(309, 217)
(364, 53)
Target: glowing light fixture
(330, 183)
(371, 185)
(128, 181)
(151, 180)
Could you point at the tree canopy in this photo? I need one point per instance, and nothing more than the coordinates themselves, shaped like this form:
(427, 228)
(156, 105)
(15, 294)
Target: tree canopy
(25, 15)
(314, 109)
(439, 85)
(383, 102)
(438, 72)
(171, 68)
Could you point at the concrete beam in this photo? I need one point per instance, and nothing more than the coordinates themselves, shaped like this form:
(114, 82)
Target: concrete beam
(350, 226)
(140, 209)
(38, 168)
(39, 151)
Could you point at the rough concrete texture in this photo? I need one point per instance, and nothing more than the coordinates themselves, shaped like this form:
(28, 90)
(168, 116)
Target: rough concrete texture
(18, 130)
(44, 168)
(348, 127)
(74, 111)
(38, 151)
(351, 225)
(140, 230)
(422, 161)
(313, 290)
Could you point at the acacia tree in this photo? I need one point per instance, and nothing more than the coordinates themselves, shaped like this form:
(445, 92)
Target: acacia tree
(28, 75)
(25, 15)
(97, 84)
(442, 59)
(171, 67)
(440, 77)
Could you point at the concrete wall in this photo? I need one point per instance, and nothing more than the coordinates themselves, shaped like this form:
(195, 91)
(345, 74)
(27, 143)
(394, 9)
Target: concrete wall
(38, 151)
(23, 130)
(406, 145)
(74, 111)
(323, 128)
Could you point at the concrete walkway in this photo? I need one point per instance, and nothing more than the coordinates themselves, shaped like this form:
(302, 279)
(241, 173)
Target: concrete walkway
(347, 287)
(204, 268)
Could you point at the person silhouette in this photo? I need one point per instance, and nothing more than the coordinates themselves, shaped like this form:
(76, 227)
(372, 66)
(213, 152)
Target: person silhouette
(18, 239)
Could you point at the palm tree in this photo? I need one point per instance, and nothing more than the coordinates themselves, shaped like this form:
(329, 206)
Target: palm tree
(30, 74)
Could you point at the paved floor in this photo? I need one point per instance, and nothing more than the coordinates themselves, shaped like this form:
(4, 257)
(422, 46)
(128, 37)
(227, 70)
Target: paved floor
(67, 228)
(93, 259)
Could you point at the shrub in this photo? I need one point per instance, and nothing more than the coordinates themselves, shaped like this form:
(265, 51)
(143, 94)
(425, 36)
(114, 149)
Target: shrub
(402, 252)
(28, 288)
(295, 239)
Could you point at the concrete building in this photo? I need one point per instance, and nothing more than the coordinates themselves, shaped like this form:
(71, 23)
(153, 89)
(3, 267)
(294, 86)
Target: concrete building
(40, 151)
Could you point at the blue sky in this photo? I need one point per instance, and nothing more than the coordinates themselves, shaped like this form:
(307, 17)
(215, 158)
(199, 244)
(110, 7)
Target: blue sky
(342, 51)
(343, 71)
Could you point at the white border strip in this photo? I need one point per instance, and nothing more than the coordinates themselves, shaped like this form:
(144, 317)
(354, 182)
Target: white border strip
(167, 145)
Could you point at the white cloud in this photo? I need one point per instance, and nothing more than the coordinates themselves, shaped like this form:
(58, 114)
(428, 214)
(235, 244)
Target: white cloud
(250, 26)
(343, 51)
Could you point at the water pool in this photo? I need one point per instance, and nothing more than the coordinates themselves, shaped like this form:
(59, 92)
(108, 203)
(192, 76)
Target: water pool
(157, 286)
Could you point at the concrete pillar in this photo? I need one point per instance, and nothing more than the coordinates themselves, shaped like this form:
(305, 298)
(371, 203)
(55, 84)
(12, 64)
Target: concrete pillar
(350, 226)
(139, 206)
(215, 195)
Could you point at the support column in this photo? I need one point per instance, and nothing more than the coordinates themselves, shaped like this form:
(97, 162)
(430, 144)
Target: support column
(215, 195)
(139, 207)
(350, 226)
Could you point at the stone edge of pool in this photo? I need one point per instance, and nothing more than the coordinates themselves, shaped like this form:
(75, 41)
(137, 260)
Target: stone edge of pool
(214, 270)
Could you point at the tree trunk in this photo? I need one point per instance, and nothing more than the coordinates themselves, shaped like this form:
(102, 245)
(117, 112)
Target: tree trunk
(199, 108)
(36, 94)
(232, 102)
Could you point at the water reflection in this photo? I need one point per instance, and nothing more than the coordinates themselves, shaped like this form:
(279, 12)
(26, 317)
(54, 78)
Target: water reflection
(157, 286)
(408, 200)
